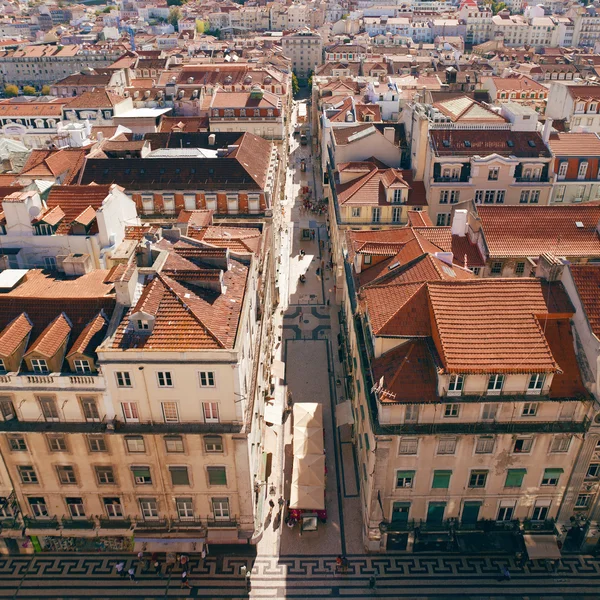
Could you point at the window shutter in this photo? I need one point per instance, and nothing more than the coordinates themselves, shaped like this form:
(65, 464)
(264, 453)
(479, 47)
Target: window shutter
(179, 476)
(401, 474)
(217, 476)
(514, 477)
(553, 473)
(441, 479)
(141, 471)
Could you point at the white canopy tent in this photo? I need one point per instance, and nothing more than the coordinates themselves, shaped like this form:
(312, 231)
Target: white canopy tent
(308, 440)
(308, 414)
(309, 470)
(307, 497)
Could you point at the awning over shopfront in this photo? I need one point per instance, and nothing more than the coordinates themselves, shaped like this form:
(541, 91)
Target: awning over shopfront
(308, 440)
(169, 544)
(309, 470)
(310, 497)
(343, 414)
(541, 546)
(308, 414)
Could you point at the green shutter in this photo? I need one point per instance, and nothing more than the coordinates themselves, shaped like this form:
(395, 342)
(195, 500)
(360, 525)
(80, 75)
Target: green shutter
(514, 478)
(405, 474)
(441, 479)
(141, 472)
(553, 472)
(217, 476)
(179, 476)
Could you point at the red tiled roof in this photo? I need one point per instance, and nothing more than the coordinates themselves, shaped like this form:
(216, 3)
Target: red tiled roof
(587, 284)
(491, 326)
(50, 340)
(521, 231)
(14, 334)
(78, 203)
(96, 99)
(52, 163)
(91, 336)
(575, 144)
(460, 246)
(419, 218)
(195, 218)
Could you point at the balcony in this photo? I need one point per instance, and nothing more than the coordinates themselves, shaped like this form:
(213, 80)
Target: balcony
(533, 180)
(83, 523)
(10, 523)
(51, 380)
(41, 522)
(151, 524)
(187, 523)
(544, 526)
(222, 523)
(117, 523)
(466, 178)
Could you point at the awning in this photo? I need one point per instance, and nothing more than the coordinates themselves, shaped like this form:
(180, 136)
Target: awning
(308, 414)
(343, 414)
(273, 413)
(541, 546)
(307, 497)
(188, 545)
(278, 369)
(309, 470)
(308, 440)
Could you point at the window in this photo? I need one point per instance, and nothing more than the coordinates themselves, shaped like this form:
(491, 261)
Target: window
(217, 476)
(169, 203)
(514, 478)
(562, 169)
(408, 445)
(96, 443)
(529, 409)
(397, 196)
(523, 445)
(49, 410)
(185, 509)
(164, 379)
(540, 512)
(105, 475)
(220, 508)
(560, 443)
(2, 366)
(179, 475)
(451, 410)
(174, 443)
(375, 214)
(411, 413)
(551, 476)
(49, 263)
(141, 475)
(396, 214)
(488, 412)
(583, 166)
(455, 385)
(356, 211)
(142, 324)
(583, 500)
(211, 412)
(207, 379)
(493, 174)
(123, 378)
(66, 475)
(39, 365)
(478, 196)
(90, 408)
(500, 196)
(189, 201)
(447, 445)
(82, 366)
(113, 508)
(57, 443)
(44, 229)
(404, 479)
(213, 443)
(477, 479)
(170, 412)
(536, 383)
(135, 443)
(7, 410)
(520, 268)
(444, 195)
(441, 480)
(535, 197)
(505, 510)
(17, 443)
(524, 199)
(147, 204)
(149, 508)
(484, 444)
(496, 268)
(593, 471)
(495, 383)
(130, 412)
(38, 507)
(443, 219)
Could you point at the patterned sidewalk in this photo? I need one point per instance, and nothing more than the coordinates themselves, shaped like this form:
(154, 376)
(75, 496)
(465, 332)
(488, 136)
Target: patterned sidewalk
(93, 576)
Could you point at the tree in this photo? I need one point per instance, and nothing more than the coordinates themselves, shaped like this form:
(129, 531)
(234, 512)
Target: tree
(45, 90)
(108, 9)
(29, 90)
(201, 26)
(310, 79)
(295, 85)
(175, 15)
(214, 32)
(10, 90)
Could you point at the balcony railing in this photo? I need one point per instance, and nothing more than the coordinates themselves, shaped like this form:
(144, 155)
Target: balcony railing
(41, 522)
(152, 524)
(542, 179)
(547, 525)
(187, 523)
(222, 523)
(10, 523)
(452, 179)
(116, 523)
(59, 380)
(83, 523)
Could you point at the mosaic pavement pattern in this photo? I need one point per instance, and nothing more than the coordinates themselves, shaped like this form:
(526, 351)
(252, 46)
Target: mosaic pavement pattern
(471, 578)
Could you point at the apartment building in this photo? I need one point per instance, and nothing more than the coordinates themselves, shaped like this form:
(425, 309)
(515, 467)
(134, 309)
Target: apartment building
(99, 107)
(305, 49)
(577, 105)
(491, 167)
(464, 419)
(576, 167)
(234, 179)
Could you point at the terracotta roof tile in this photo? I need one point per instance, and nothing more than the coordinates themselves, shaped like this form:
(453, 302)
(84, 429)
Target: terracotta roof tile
(490, 326)
(91, 336)
(460, 246)
(575, 144)
(587, 283)
(45, 163)
(451, 142)
(419, 218)
(521, 231)
(14, 334)
(79, 203)
(96, 99)
(195, 218)
(49, 341)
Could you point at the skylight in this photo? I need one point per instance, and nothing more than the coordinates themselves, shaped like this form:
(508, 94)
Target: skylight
(510, 143)
(531, 143)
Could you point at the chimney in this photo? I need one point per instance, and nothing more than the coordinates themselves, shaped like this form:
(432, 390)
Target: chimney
(547, 130)
(389, 133)
(212, 139)
(99, 136)
(459, 222)
(446, 257)
(549, 267)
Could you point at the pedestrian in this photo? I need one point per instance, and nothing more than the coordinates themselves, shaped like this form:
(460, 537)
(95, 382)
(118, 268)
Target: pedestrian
(271, 505)
(183, 561)
(345, 564)
(131, 574)
(506, 573)
(318, 271)
(158, 568)
(184, 581)
(248, 584)
(555, 566)
(338, 564)
(281, 502)
(120, 568)
(372, 582)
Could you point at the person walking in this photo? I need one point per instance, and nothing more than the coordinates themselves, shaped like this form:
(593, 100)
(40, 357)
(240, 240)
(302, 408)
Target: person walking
(271, 505)
(372, 582)
(506, 573)
(131, 574)
(281, 502)
(345, 565)
(184, 581)
(338, 564)
(120, 568)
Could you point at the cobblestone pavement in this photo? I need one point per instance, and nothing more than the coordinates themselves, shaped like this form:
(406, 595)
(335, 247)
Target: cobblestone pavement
(423, 576)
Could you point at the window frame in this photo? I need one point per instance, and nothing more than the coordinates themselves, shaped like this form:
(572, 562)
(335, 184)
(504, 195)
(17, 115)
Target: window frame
(485, 443)
(208, 377)
(124, 379)
(529, 409)
(451, 442)
(107, 472)
(405, 478)
(495, 384)
(215, 449)
(412, 443)
(164, 379)
(90, 438)
(478, 478)
(170, 411)
(216, 469)
(176, 439)
(213, 407)
(451, 410)
(136, 439)
(66, 474)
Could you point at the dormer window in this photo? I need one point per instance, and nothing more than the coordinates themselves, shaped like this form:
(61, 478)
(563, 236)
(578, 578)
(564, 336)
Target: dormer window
(582, 170)
(82, 366)
(142, 324)
(39, 365)
(2, 366)
(397, 196)
(44, 229)
(536, 383)
(455, 385)
(562, 169)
